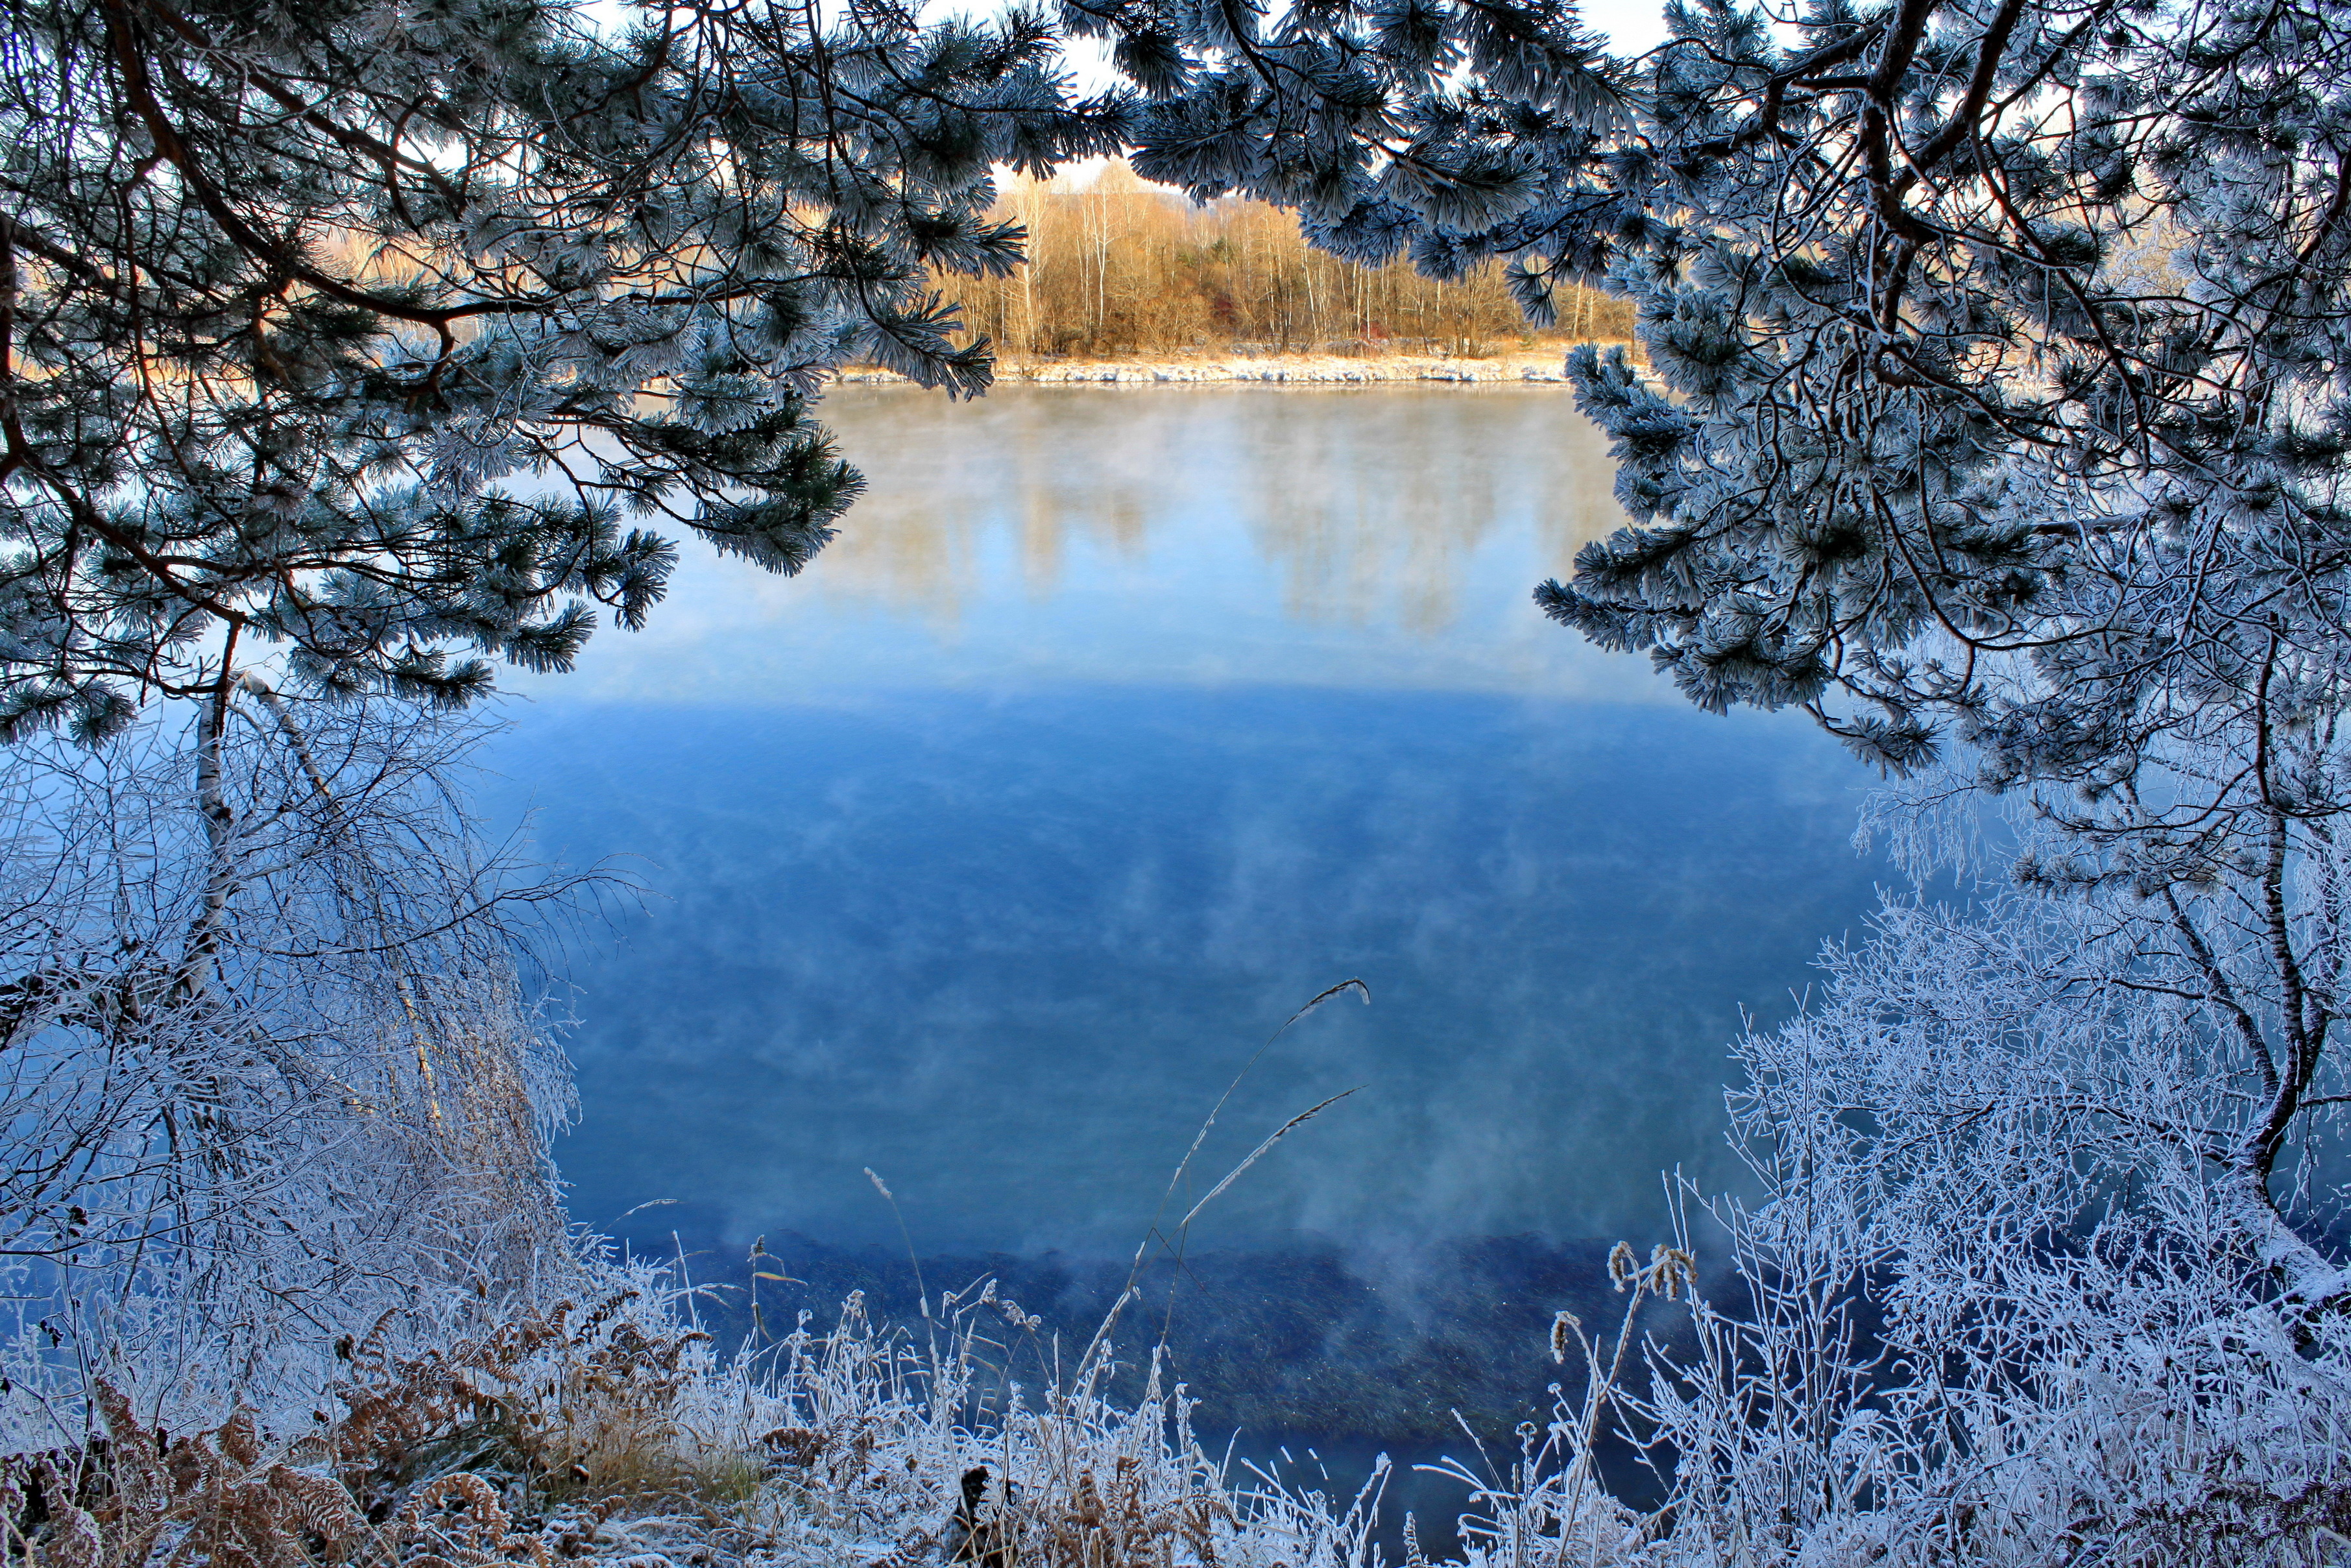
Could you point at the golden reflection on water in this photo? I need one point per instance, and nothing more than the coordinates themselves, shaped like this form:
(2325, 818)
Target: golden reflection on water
(1369, 504)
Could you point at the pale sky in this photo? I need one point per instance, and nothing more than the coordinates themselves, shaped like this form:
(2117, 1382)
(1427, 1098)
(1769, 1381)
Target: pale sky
(1632, 25)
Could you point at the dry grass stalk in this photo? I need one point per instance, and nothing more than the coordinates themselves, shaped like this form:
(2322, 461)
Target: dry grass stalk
(612, 1436)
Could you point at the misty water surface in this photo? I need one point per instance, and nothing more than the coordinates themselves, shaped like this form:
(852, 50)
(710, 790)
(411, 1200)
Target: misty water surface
(1116, 724)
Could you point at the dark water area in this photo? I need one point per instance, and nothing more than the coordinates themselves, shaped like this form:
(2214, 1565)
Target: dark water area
(1007, 953)
(987, 852)
(1315, 1343)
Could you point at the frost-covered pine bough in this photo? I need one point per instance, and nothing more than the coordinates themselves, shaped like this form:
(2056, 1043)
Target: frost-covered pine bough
(2001, 381)
(397, 339)
(1996, 413)
(2000, 400)
(269, 1063)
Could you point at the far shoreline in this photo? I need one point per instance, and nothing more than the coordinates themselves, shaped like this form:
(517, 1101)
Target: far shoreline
(1545, 367)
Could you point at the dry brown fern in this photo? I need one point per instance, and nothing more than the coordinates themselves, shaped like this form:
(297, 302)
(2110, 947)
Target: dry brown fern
(142, 1499)
(459, 1522)
(564, 1407)
(418, 1473)
(1126, 1527)
(412, 1418)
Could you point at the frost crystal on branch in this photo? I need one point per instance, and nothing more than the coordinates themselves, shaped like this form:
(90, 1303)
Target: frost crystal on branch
(405, 337)
(1999, 383)
(269, 1061)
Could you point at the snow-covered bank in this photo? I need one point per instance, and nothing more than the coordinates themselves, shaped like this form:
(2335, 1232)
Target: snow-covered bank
(1320, 370)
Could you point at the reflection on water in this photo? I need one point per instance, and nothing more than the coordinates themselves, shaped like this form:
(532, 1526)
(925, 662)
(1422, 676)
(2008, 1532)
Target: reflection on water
(1007, 950)
(1373, 540)
(1115, 726)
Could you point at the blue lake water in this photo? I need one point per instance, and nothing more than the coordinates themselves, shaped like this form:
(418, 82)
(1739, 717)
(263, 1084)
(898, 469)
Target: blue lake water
(1117, 724)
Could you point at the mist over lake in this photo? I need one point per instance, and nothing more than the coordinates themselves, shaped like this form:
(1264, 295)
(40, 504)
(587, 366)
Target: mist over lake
(1099, 987)
(1114, 726)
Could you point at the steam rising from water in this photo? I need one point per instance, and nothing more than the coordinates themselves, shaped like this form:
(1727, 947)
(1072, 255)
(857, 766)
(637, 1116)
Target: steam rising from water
(1117, 724)
(1382, 539)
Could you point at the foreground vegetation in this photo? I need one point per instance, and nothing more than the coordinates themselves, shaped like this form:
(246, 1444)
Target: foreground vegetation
(610, 1433)
(1994, 411)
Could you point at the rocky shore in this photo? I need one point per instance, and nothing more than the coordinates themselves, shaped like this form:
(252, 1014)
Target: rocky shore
(1312, 369)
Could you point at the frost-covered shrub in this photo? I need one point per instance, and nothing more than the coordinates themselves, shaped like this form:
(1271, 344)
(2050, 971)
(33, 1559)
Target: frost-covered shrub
(884, 1442)
(269, 1066)
(1997, 1301)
